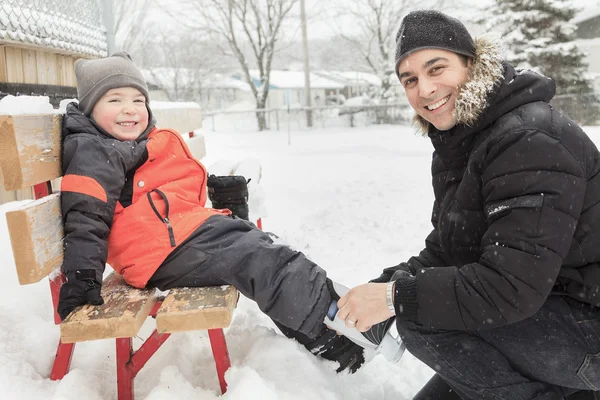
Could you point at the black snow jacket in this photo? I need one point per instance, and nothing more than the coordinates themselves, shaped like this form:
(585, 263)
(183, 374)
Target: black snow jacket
(516, 215)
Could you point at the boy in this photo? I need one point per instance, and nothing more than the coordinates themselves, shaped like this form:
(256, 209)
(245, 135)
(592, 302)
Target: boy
(133, 196)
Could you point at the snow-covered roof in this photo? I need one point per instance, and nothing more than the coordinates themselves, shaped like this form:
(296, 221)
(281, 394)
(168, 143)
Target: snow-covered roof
(226, 82)
(166, 77)
(295, 80)
(352, 77)
(588, 12)
(70, 28)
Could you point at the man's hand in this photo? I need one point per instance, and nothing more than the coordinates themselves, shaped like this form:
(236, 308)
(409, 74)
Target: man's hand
(366, 304)
(81, 288)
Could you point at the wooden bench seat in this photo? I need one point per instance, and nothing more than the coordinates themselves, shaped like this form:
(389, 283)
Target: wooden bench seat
(30, 156)
(36, 235)
(124, 311)
(190, 309)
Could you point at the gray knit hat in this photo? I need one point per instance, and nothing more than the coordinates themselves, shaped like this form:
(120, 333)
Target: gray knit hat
(96, 77)
(429, 29)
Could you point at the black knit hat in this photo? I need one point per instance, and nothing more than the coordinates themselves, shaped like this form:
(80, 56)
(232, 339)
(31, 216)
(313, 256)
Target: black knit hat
(429, 29)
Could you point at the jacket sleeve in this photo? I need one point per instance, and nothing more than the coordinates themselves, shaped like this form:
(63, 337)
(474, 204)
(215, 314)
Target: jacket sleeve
(94, 174)
(533, 190)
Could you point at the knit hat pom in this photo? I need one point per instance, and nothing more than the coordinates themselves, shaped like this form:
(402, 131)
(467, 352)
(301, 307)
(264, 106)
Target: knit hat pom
(429, 29)
(96, 77)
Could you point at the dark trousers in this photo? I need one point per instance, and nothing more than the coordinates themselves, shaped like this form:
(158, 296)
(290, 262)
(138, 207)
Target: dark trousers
(225, 250)
(550, 355)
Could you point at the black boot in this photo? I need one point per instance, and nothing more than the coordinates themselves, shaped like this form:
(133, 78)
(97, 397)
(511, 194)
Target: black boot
(330, 346)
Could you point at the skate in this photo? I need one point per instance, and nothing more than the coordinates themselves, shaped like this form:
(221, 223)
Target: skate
(377, 340)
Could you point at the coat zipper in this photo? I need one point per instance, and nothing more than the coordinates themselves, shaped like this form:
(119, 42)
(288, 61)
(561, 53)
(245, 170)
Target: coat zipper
(166, 218)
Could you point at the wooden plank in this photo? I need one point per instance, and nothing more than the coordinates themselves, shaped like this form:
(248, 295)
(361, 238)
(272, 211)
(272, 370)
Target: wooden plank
(29, 149)
(124, 310)
(41, 47)
(69, 71)
(14, 65)
(51, 69)
(36, 237)
(187, 309)
(3, 71)
(42, 67)
(63, 70)
(29, 66)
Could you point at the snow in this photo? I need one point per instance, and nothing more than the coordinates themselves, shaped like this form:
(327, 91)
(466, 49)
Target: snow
(353, 200)
(71, 28)
(166, 105)
(25, 105)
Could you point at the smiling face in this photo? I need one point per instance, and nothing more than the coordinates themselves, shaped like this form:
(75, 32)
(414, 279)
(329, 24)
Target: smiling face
(122, 113)
(431, 79)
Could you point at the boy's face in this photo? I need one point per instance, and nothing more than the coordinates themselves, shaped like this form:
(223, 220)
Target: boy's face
(122, 113)
(431, 79)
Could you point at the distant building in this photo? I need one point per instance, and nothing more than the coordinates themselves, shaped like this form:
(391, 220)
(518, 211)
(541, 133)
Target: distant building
(286, 88)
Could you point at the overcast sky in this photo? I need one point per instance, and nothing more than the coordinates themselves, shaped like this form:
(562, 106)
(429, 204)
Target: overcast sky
(324, 22)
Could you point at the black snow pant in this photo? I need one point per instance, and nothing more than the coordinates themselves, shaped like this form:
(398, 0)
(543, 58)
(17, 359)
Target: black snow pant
(226, 250)
(545, 357)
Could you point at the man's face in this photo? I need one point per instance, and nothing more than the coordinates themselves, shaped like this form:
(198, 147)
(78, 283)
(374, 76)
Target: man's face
(122, 113)
(431, 79)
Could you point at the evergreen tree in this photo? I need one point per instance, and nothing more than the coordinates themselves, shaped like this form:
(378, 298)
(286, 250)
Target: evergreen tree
(538, 34)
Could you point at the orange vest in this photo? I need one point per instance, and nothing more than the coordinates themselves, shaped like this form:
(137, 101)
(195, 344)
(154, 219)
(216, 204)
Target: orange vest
(142, 235)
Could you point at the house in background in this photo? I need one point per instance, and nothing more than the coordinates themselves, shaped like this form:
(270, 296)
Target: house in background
(355, 83)
(221, 92)
(286, 88)
(587, 22)
(212, 91)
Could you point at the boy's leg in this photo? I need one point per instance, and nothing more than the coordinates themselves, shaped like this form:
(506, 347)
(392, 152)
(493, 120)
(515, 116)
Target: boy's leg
(543, 357)
(287, 286)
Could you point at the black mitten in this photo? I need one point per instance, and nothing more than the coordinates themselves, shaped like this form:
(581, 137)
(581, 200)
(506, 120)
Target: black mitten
(81, 288)
(229, 192)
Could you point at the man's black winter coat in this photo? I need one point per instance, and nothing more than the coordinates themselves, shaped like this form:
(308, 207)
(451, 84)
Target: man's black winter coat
(517, 207)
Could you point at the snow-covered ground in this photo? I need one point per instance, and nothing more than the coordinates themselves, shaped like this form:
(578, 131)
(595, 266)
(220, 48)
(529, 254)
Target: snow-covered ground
(354, 200)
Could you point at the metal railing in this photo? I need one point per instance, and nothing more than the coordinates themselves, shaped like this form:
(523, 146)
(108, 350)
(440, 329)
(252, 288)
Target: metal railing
(296, 118)
(69, 25)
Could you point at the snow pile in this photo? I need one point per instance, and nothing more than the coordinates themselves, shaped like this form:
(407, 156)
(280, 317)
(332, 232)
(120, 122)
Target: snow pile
(25, 105)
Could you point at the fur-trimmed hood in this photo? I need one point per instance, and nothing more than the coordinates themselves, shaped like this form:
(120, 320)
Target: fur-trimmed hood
(492, 90)
(485, 74)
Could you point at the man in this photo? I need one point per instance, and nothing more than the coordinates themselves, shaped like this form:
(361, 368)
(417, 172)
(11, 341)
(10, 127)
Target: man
(503, 302)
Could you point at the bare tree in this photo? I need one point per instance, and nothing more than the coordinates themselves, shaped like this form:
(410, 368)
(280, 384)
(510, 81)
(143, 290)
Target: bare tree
(377, 22)
(131, 22)
(181, 67)
(251, 30)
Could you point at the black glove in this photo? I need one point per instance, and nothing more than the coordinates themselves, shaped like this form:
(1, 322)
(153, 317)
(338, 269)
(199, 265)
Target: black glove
(388, 273)
(81, 288)
(229, 192)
